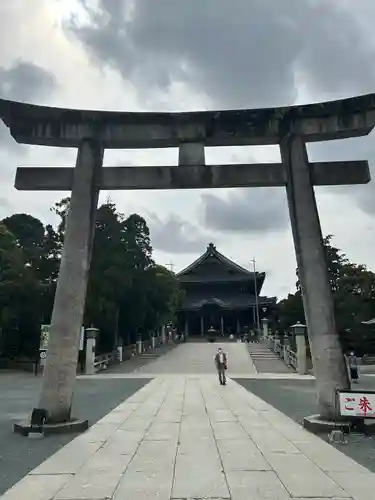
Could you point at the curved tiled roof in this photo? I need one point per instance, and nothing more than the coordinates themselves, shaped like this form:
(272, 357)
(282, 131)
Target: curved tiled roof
(213, 252)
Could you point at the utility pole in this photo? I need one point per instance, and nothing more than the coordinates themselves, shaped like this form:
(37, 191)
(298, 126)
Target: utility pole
(256, 295)
(170, 266)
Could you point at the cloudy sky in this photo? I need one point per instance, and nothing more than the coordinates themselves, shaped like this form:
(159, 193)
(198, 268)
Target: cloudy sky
(180, 55)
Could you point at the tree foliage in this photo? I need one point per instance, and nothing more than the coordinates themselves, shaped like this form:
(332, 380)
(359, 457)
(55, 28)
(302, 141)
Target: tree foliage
(128, 295)
(353, 289)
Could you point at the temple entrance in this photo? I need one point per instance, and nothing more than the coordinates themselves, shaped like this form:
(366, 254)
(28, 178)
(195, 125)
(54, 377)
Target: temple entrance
(221, 294)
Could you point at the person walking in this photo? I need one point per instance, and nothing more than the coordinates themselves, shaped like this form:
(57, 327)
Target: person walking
(353, 367)
(221, 365)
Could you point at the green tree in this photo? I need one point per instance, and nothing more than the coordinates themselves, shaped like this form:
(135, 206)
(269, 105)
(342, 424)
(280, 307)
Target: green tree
(19, 292)
(163, 296)
(128, 294)
(109, 274)
(41, 250)
(353, 289)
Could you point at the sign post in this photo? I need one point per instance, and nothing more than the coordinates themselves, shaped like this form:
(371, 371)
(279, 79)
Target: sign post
(43, 344)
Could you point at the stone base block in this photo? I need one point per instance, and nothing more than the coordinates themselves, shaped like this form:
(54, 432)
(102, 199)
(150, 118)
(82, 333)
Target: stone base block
(319, 425)
(72, 426)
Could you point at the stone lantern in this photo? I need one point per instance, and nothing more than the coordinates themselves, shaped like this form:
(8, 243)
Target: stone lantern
(299, 331)
(211, 334)
(265, 328)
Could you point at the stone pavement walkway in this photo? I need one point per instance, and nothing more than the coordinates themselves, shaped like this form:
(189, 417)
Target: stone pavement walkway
(187, 437)
(198, 358)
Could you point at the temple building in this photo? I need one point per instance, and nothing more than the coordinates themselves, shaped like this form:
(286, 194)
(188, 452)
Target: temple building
(220, 294)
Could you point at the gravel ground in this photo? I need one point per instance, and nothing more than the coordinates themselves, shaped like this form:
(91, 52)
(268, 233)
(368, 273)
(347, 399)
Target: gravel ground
(18, 394)
(297, 399)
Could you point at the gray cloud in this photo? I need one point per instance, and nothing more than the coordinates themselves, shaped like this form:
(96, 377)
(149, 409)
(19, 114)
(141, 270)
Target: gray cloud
(239, 53)
(25, 81)
(246, 210)
(4, 202)
(176, 235)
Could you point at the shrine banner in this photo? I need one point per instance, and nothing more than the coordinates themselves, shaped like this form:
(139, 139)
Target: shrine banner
(357, 404)
(44, 337)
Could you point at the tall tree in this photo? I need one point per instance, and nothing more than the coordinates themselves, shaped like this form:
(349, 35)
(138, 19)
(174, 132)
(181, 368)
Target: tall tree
(163, 296)
(127, 295)
(353, 289)
(19, 293)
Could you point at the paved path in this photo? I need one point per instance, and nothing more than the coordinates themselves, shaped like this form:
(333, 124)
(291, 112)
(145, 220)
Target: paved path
(296, 398)
(189, 438)
(198, 358)
(19, 392)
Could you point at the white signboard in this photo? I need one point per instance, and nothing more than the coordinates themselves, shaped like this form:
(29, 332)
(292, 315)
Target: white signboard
(44, 337)
(82, 339)
(357, 404)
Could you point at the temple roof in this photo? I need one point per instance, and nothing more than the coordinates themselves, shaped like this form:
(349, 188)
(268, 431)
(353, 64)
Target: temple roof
(213, 267)
(223, 300)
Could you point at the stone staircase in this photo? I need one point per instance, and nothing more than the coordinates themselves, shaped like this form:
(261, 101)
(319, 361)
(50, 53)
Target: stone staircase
(265, 360)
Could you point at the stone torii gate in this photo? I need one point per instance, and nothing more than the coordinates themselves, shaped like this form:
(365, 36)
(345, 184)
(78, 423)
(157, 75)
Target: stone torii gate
(91, 132)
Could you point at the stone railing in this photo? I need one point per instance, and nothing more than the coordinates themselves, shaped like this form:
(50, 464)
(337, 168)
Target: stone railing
(290, 357)
(298, 360)
(146, 345)
(102, 361)
(96, 363)
(129, 351)
(285, 352)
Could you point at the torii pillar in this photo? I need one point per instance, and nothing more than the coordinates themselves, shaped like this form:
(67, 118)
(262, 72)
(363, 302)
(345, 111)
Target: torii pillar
(70, 297)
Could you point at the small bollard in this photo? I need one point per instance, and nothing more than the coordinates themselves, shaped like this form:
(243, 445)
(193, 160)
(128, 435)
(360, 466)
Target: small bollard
(37, 421)
(337, 437)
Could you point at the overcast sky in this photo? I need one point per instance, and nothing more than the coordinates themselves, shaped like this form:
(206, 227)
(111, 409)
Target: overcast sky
(182, 55)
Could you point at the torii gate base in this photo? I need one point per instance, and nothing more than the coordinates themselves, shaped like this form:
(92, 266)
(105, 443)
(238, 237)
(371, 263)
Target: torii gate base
(93, 131)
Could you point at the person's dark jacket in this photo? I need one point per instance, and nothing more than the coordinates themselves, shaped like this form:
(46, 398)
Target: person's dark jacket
(219, 365)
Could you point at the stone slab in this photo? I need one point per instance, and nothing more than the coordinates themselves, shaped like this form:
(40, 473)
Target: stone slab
(199, 476)
(145, 486)
(194, 177)
(359, 486)
(34, 487)
(163, 431)
(241, 454)
(64, 127)
(72, 426)
(228, 430)
(123, 442)
(303, 478)
(256, 485)
(69, 459)
(97, 479)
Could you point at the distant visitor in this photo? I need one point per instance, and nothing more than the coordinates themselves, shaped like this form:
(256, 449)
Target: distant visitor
(353, 367)
(221, 365)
